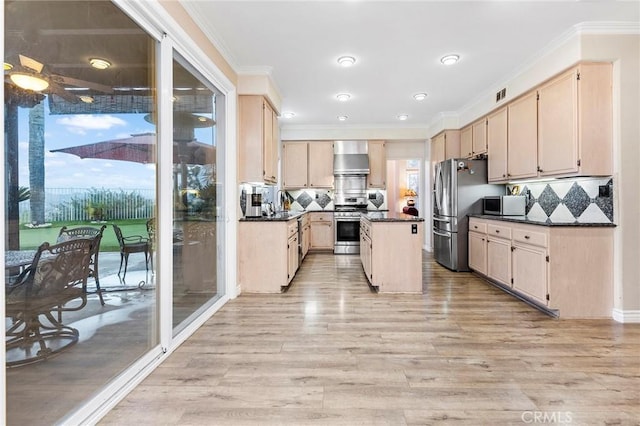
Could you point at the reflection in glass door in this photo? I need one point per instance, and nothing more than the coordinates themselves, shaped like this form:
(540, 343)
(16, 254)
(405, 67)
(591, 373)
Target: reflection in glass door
(198, 112)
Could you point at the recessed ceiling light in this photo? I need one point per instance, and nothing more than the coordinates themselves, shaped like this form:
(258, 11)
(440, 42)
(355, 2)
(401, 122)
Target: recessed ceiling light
(7, 66)
(403, 117)
(343, 97)
(449, 59)
(346, 61)
(86, 99)
(101, 64)
(288, 114)
(342, 117)
(420, 96)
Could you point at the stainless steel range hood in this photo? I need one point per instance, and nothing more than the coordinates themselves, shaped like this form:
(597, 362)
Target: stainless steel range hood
(350, 158)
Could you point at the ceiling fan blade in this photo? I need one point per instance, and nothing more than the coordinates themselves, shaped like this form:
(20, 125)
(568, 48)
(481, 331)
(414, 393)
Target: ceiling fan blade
(70, 81)
(31, 63)
(54, 89)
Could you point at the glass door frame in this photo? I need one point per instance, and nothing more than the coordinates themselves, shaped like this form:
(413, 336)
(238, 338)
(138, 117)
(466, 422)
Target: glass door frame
(160, 25)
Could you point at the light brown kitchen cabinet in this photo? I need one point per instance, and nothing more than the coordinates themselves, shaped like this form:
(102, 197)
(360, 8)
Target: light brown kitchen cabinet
(320, 163)
(466, 142)
(392, 258)
(444, 145)
(267, 255)
(377, 165)
(365, 248)
(306, 235)
(322, 237)
(575, 122)
(307, 164)
(479, 136)
(498, 257)
(257, 140)
(522, 137)
(294, 165)
(497, 145)
(477, 245)
(542, 265)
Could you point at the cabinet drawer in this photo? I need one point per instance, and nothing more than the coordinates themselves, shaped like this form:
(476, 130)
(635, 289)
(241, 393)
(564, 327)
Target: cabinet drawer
(292, 229)
(477, 226)
(499, 231)
(321, 217)
(530, 237)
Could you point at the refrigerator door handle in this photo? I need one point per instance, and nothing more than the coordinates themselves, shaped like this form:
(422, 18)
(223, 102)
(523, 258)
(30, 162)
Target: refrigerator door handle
(442, 235)
(439, 186)
(441, 220)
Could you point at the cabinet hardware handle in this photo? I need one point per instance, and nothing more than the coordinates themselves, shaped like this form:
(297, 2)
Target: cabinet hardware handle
(503, 175)
(497, 231)
(527, 237)
(475, 226)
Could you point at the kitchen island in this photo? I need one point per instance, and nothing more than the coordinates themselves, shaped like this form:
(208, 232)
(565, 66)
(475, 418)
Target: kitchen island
(391, 251)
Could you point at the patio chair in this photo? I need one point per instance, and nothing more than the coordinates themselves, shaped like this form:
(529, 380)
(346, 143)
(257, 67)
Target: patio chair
(131, 244)
(94, 234)
(57, 276)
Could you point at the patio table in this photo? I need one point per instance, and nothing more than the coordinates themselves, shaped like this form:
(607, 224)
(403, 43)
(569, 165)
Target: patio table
(18, 258)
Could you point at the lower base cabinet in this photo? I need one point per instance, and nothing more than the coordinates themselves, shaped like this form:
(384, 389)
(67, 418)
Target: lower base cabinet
(564, 269)
(391, 255)
(321, 230)
(267, 255)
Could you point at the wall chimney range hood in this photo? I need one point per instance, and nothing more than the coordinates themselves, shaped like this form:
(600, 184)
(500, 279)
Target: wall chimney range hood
(350, 158)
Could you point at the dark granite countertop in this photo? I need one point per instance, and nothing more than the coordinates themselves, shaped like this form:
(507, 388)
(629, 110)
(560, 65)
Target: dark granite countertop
(389, 216)
(532, 221)
(278, 217)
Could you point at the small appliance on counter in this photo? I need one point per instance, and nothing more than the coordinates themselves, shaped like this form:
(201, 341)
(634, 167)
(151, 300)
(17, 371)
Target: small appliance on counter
(504, 205)
(254, 207)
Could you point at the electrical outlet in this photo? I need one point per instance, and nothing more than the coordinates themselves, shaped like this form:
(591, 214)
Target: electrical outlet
(414, 228)
(603, 191)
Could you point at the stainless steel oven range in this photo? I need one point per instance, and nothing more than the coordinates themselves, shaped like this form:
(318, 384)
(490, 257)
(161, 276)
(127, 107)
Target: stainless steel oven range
(347, 230)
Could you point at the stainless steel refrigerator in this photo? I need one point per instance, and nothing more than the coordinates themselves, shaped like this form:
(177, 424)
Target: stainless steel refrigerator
(459, 186)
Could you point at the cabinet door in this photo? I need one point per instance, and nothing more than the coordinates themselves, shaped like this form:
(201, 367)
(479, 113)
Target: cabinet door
(377, 164)
(451, 144)
(479, 136)
(497, 146)
(530, 271)
(365, 255)
(558, 125)
(437, 151)
(320, 163)
(499, 260)
(466, 142)
(292, 257)
(294, 165)
(322, 235)
(522, 137)
(478, 252)
(306, 240)
(251, 164)
(270, 153)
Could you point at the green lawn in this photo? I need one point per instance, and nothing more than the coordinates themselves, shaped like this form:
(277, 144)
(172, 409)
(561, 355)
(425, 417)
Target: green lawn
(32, 238)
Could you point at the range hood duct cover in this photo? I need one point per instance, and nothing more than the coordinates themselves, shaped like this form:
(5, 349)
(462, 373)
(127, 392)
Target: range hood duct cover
(350, 158)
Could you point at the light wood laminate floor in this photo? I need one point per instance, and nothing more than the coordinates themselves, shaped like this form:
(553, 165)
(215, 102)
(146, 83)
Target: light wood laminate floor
(329, 351)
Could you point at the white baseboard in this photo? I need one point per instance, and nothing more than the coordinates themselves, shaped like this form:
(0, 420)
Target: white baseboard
(627, 317)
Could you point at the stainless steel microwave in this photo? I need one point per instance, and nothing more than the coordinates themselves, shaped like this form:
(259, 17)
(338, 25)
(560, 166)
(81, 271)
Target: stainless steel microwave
(504, 205)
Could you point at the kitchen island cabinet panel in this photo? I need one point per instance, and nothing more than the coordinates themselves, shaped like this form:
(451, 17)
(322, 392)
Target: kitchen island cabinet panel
(394, 262)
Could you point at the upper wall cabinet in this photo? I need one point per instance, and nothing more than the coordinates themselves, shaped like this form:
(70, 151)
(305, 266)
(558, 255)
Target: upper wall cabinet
(575, 122)
(522, 137)
(497, 145)
(466, 142)
(445, 145)
(307, 165)
(258, 140)
(479, 137)
(377, 165)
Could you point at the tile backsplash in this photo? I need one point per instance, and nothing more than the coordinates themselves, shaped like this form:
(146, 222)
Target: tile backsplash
(318, 199)
(569, 200)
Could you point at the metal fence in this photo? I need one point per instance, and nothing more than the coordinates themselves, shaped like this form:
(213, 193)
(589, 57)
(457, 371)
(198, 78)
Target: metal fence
(84, 204)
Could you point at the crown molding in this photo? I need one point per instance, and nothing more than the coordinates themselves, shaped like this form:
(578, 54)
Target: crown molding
(215, 38)
(607, 27)
(256, 70)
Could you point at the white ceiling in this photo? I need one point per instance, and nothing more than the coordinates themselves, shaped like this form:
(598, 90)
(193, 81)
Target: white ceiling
(398, 45)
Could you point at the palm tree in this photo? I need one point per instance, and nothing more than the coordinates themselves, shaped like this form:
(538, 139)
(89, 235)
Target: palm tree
(36, 163)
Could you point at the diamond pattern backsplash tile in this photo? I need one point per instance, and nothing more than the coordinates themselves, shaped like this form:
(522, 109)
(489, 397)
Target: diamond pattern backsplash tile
(323, 200)
(549, 200)
(570, 200)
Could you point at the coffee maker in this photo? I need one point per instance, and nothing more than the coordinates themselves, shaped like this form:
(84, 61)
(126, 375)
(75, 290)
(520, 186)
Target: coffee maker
(254, 207)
